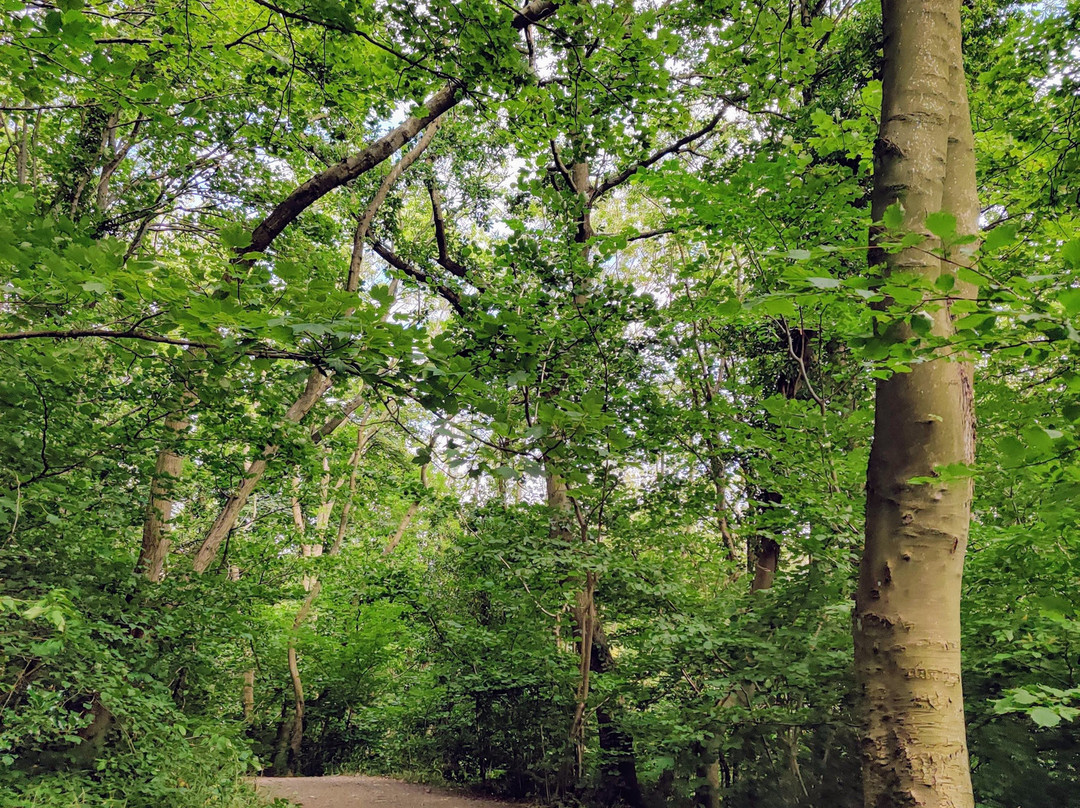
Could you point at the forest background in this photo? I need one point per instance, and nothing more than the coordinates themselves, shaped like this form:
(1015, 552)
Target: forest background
(485, 394)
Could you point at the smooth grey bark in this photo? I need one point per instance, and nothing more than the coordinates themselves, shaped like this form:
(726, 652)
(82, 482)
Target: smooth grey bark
(907, 610)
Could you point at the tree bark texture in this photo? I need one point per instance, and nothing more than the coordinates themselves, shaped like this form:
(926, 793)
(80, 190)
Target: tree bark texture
(907, 612)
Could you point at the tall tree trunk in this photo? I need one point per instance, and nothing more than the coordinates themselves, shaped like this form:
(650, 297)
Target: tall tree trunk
(296, 730)
(23, 125)
(247, 695)
(413, 509)
(363, 437)
(708, 795)
(907, 611)
(618, 773)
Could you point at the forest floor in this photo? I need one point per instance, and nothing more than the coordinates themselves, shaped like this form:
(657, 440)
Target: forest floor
(357, 791)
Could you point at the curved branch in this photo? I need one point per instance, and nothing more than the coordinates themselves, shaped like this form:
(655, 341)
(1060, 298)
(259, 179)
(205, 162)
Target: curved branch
(104, 333)
(354, 165)
(618, 179)
(357, 260)
(447, 263)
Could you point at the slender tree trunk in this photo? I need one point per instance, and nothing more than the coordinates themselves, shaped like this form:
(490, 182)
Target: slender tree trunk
(248, 695)
(296, 731)
(313, 585)
(363, 437)
(24, 149)
(618, 774)
(907, 611)
(280, 762)
(159, 512)
(766, 559)
(317, 384)
(708, 794)
(410, 513)
(119, 154)
(406, 520)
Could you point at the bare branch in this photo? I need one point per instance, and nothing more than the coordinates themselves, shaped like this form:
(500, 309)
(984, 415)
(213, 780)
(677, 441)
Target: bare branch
(448, 263)
(332, 423)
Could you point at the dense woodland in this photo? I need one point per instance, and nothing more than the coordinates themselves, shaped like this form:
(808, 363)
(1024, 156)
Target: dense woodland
(485, 394)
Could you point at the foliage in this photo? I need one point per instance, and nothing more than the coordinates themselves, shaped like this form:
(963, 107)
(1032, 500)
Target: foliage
(686, 342)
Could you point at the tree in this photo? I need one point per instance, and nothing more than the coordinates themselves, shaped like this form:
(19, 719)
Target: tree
(560, 314)
(907, 613)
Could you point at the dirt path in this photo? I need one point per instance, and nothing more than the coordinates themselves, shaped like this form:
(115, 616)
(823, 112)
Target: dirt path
(355, 791)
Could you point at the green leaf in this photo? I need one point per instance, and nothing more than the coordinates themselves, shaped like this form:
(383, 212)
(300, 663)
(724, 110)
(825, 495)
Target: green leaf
(1044, 717)
(1038, 438)
(235, 236)
(148, 92)
(942, 224)
(1053, 605)
(1070, 301)
(778, 306)
(1011, 448)
(894, 216)
(945, 281)
(96, 287)
(1071, 253)
(729, 307)
(922, 323)
(1000, 237)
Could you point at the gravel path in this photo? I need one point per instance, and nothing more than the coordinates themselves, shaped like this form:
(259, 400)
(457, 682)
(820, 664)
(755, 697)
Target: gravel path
(355, 791)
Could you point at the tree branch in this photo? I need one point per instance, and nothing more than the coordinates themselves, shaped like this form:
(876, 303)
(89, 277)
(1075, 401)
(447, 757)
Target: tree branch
(618, 179)
(103, 333)
(346, 29)
(354, 165)
(644, 234)
(332, 423)
(561, 166)
(448, 263)
(357, 260)
(417, 274)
